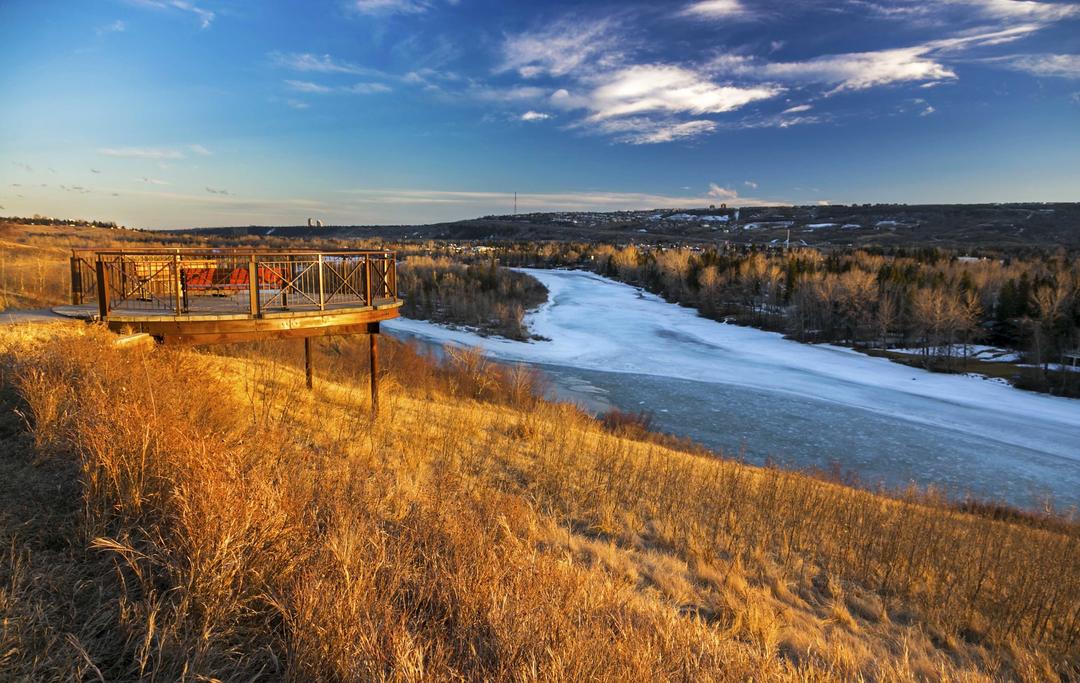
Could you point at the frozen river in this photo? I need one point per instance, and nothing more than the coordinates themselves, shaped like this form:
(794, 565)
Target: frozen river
(747, 391)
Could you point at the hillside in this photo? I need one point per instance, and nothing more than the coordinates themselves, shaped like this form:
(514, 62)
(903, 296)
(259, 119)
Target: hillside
(960, 226)
(182, 515)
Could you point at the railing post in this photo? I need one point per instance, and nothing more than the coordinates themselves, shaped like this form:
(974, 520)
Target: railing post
(287, 277)
(373, 337)
(391, 264)
(76, 281)
(102, 290)
(322, 302)
(253, 285)
(178, 286)
(367, 280)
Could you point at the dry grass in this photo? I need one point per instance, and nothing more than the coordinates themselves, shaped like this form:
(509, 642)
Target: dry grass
(215, 521)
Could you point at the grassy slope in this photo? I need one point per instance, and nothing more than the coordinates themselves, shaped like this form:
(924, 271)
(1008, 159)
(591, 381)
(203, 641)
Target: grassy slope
(203, 516)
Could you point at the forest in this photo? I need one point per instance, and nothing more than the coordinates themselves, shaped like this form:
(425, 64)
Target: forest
(491, 299)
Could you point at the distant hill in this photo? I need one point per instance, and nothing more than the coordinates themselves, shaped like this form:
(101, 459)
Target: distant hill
(943, 225)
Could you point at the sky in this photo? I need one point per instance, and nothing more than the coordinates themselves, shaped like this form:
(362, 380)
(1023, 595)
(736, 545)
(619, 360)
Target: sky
(178, 113)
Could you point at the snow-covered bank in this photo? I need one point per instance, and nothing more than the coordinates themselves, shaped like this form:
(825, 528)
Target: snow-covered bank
(597, 324)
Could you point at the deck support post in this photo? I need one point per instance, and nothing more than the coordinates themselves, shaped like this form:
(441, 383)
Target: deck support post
(309, 365)
(102, 290)
(76, 282)
(373, 341)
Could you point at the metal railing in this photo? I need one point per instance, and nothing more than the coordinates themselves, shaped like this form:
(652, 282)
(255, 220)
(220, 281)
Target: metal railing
(231, 281)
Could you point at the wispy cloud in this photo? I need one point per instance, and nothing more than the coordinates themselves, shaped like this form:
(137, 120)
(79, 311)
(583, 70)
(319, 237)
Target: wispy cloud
(535, 116)
(666, 88)
(310, 88)
(651, 131)
(717, 9)
(365, 88)
(391, 6)
(852, 71)
(563, 47)
(200, 150)
(307, 87)
(797, 109)
(141, 152)
(216, 191)
(118, 26)
(1062, 66)
(306, 61)
(1027, 10)
(205, 17)
(152, 181)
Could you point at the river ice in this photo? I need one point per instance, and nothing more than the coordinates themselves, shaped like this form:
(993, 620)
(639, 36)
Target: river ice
(738, 388)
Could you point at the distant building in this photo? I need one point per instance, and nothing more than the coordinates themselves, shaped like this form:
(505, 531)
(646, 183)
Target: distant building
(318, 223)
(311, 222)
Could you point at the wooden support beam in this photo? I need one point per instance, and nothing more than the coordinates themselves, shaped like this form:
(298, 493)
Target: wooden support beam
(76, 282)
(309, 366)
(102, 290)
(373, 336)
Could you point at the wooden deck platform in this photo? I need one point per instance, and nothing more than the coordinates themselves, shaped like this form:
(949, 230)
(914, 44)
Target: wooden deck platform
(204, 326)
(211, 296)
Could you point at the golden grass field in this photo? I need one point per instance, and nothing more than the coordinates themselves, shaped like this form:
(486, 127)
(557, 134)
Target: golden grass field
(199, 515)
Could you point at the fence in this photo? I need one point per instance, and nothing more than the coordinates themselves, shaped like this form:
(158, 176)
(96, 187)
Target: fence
(231, 281)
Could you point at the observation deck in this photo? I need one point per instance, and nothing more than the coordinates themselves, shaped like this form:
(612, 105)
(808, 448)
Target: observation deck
(211, 296)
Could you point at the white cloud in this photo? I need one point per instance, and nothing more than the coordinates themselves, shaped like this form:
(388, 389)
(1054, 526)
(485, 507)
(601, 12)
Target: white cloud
(751, 184)
(717, 9)
(520, 93)
(200, 150)
(564, 47)
(141, 153)
(204, 16)
(647, 131)
(391, 6)
(310, 88)
(365, 88)
(718, 192)
(118, 26)
(307, 87)
(798, 109)
(297, 104)
(306, 61)
(152, 181)
(927, 110)
(862, 70)
(535, 116)
(1063, 66)
(1004, 10)
(1022, 9)
(666, 88)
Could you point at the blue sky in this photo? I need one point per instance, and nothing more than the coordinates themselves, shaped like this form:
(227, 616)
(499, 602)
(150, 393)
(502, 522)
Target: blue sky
(169, 113)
